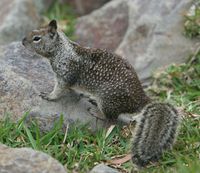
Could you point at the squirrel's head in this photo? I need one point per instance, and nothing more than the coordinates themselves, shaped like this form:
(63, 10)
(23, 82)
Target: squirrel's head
(43, 40)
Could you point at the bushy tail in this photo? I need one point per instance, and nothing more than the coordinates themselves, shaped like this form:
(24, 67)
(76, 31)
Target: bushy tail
(155, 132)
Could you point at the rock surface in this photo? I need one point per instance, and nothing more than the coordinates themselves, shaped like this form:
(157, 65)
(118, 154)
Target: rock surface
(104, 28)
(83, 7)
(16, 17)
(101, 168)
(23, 76)
(26, 160)
(149, 34)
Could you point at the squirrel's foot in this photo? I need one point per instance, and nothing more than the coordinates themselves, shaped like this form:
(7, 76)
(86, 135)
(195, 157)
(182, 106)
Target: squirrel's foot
(47, 96)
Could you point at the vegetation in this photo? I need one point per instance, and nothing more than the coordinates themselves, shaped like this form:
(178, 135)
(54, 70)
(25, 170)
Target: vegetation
(192, 23)
(65, 16)
(79, 149)
(180, 85)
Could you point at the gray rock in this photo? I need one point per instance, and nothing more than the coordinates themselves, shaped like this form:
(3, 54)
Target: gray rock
(42, 6)
(23, 76)
(26, 160)
(154, 36)
(101, 168)
(104, 28)
(83, 7)
(17, 17)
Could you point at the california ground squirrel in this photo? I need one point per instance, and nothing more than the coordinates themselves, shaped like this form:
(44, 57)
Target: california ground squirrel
(113, 83)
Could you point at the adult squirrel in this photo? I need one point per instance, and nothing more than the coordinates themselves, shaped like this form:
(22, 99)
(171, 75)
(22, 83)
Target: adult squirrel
(114, 84)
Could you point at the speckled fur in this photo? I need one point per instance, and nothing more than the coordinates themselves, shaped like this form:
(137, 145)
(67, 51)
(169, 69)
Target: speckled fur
(112, 81)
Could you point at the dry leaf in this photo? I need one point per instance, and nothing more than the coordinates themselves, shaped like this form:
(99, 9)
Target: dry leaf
(118, 161)
(195, 115)
(110, 129)
(126, 131)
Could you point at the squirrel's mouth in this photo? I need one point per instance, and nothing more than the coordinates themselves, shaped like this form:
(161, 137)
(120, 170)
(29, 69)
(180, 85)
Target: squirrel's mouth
(24, 41)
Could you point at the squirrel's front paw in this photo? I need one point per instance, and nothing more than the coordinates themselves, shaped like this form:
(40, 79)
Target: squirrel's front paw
(46, 96)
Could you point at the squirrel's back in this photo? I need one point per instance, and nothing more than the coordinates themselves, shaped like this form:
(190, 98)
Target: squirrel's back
(112, 80)
(155, 132)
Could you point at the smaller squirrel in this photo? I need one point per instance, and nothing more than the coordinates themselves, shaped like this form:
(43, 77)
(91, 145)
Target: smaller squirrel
(113, 83)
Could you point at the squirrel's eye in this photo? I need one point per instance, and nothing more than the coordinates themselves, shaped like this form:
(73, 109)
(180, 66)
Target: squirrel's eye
(36, 38)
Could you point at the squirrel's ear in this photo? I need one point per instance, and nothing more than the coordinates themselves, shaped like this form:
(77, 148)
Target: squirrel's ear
(52, 26)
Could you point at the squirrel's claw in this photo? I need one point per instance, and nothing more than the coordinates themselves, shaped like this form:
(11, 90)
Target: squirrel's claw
(45, 96)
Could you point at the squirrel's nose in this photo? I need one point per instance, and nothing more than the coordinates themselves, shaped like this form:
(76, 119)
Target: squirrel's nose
(24, 41)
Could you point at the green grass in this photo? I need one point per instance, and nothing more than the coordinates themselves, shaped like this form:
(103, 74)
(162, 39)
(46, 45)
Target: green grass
(180, 85)
(77, 149)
